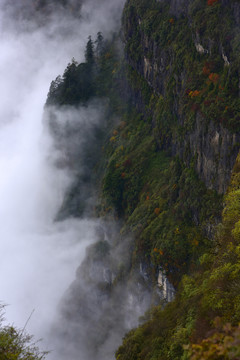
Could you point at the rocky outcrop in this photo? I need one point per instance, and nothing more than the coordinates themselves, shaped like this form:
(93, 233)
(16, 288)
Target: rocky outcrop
(165, 288)
(215, 149)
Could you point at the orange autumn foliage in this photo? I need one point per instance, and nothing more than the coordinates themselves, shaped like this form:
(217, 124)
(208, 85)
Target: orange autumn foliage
(194, 93)
(157, 211)
(158, 251)
(213, 77)
(195, 242)
(206, 70)
(208, 67)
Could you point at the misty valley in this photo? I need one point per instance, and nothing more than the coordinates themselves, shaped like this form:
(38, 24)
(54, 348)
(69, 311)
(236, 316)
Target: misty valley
(119, 186)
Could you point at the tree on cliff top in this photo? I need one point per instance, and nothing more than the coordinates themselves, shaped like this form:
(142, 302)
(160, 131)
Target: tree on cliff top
(89, 53)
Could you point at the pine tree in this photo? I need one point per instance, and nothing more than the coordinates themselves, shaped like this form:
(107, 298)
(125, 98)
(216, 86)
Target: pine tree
(89, 53)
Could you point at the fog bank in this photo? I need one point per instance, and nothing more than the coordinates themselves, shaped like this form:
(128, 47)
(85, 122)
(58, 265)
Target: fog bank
(40, 256)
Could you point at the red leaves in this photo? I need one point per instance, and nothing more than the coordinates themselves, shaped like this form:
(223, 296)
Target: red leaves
(213, 77)
(206, 70)
(208, 67)
(127, 163)
(212, 2)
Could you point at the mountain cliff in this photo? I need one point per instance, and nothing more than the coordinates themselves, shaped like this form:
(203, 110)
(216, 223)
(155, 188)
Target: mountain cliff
(167, 166)
(190, 59)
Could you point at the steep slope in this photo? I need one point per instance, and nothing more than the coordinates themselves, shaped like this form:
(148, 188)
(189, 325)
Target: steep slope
(191, 60)
(172, 138)
(187, 62)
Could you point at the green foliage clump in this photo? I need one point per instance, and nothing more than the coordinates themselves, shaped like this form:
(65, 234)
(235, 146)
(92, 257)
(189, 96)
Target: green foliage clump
(15, 344)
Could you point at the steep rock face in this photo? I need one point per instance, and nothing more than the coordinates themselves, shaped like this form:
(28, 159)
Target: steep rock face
(215, 149)
(167, 291)
(181, 7)
(214, 144)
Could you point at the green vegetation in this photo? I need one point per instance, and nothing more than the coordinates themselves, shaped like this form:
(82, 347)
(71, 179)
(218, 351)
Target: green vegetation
(158, 196)
(207, 302)
(204, 81)
(15, 344)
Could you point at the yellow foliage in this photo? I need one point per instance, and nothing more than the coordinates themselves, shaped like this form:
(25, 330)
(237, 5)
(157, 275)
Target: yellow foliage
(177, 231)
(194, 93)
(158, 251)
(223, 344)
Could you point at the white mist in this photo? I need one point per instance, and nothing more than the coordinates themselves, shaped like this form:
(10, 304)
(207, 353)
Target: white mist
(39, 257)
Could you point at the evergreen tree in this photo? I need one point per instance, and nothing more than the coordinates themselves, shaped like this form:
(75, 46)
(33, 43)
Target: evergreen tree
(89, 53)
